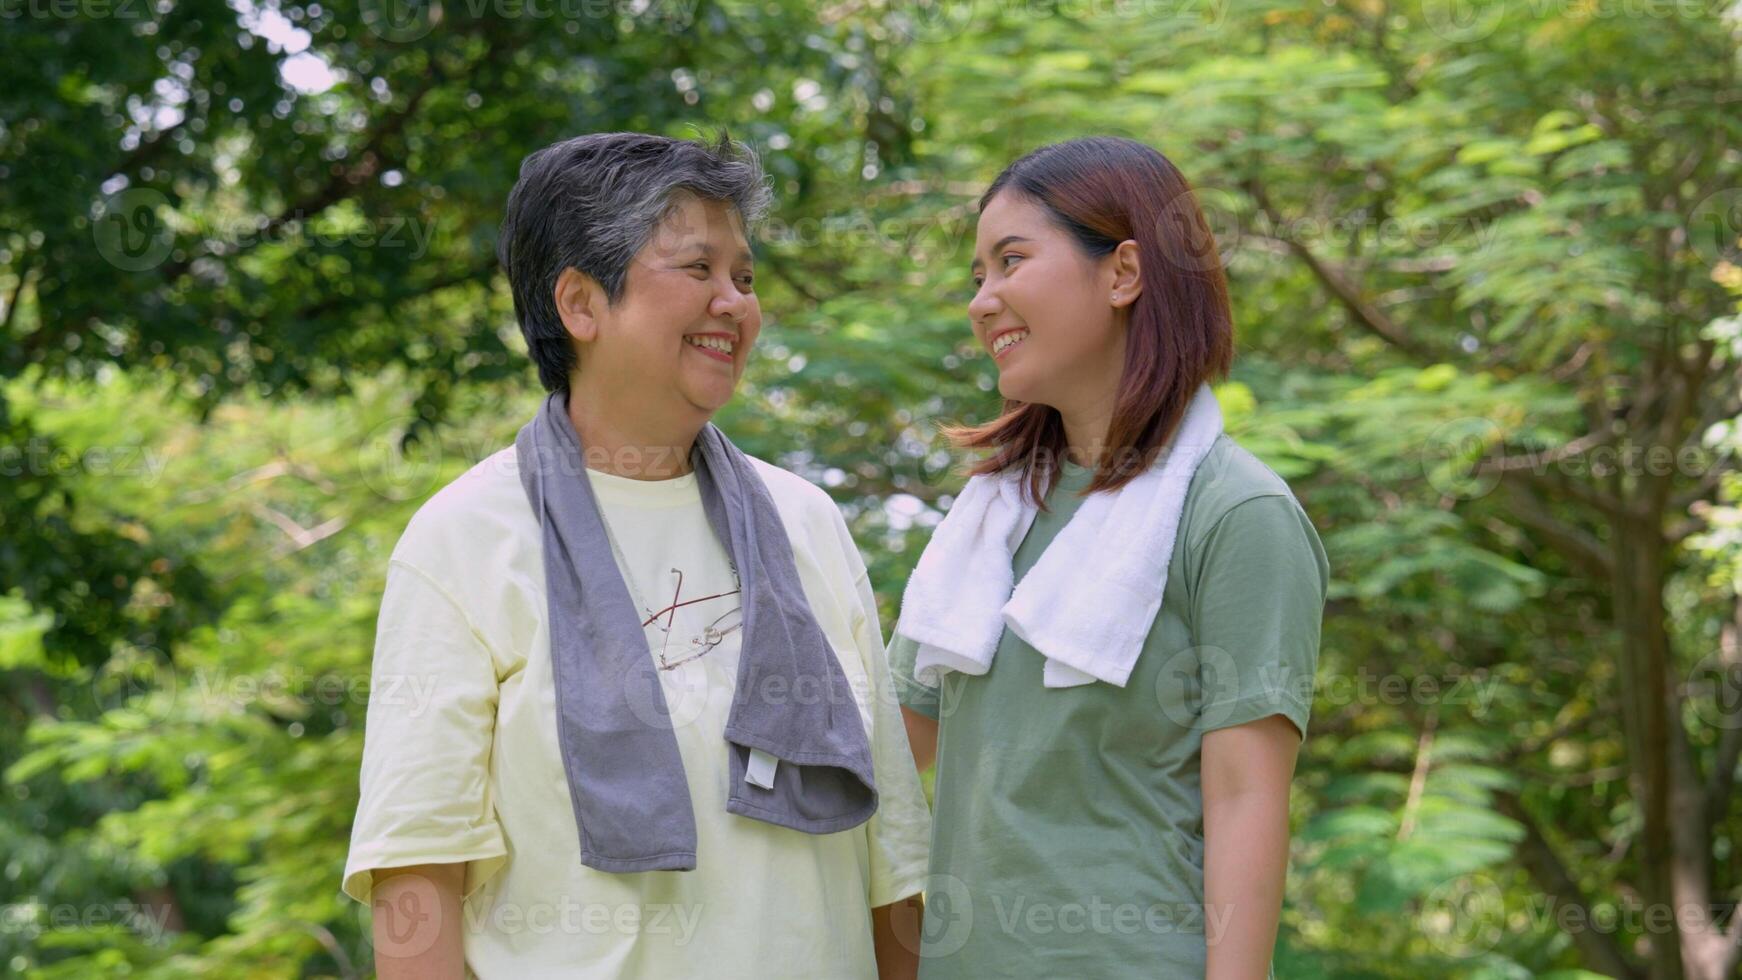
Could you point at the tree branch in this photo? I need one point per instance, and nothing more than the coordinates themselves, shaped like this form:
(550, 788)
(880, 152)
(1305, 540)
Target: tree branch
(1366, 315)
(1418, 777)
(300, 537)
(1599, 949)
(778, 266)
(1720, 782)
(342, 181)
(1576, 544)
(26, 266)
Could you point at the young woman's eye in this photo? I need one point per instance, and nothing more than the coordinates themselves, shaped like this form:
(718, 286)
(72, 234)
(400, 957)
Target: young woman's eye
(979, 281)
(1007, 257)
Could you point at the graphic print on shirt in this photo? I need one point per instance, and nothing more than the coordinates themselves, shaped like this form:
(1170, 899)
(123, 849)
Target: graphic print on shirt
(711, 618)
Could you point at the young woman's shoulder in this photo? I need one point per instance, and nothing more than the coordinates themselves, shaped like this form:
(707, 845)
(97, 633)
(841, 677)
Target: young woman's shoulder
(1228, 477)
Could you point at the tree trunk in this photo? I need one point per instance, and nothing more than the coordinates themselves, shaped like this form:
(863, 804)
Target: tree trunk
(1645, 697)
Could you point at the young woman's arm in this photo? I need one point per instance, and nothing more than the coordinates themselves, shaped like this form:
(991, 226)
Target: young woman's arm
(1246, 774)
(895, 938)
(922, 737)
(416, 922)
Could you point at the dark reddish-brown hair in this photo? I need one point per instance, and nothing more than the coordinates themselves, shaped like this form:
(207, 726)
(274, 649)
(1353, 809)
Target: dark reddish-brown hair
(1105, 190)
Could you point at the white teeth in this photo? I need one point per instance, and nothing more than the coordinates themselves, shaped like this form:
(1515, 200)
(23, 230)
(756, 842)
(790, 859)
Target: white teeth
(1008, 340)
(720, 344)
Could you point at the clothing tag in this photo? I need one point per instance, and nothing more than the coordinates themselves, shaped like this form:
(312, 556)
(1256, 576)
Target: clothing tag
(760, 771)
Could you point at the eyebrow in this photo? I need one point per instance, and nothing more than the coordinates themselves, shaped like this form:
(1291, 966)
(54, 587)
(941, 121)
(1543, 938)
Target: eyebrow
(744, 255)
(977, 265)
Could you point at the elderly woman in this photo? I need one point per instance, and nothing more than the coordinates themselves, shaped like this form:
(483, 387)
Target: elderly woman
(640, 651)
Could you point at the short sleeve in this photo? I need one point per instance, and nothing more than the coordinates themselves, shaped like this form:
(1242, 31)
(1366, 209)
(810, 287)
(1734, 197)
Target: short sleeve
(900, 830)
(902, 654)
(425, 787)
(1257, 601)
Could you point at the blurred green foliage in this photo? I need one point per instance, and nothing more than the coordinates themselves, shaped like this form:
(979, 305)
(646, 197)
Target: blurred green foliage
(1484, 260)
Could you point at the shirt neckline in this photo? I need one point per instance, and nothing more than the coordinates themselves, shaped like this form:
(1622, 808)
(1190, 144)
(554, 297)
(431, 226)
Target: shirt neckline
(671, 492)
(1074, 476)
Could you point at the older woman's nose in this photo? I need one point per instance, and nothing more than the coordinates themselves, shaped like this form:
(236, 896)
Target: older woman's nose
(730, 302)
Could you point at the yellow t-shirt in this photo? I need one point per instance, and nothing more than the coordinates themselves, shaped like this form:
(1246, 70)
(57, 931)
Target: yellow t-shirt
(461, 763)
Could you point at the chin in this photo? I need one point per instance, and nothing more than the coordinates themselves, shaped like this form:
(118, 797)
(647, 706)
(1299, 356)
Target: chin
(1013, 389)
(708, 399)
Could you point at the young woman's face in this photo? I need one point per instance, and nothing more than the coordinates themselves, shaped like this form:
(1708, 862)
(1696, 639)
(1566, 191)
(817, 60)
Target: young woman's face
(1042, 307)
(688, 316)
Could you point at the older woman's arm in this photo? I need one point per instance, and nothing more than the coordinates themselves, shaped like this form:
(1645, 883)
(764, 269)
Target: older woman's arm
(1246, 774)
(416, 922)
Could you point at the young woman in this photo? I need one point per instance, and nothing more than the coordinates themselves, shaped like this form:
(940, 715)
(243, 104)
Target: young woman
(1108, 645)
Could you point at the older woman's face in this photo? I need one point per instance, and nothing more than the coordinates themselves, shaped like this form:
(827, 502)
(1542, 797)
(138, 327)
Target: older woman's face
(688, 316)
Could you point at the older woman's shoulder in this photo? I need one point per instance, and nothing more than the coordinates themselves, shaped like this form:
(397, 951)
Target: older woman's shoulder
(816, 528)
(477, 511)
(799, 500)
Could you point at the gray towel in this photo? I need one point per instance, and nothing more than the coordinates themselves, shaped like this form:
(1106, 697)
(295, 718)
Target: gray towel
(793, 700)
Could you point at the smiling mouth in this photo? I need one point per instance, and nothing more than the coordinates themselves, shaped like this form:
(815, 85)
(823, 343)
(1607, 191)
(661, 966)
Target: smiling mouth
(1006, 341)
(718, 348)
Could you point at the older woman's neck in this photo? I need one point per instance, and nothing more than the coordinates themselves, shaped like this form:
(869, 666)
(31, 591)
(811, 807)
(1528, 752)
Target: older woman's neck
(627, 443)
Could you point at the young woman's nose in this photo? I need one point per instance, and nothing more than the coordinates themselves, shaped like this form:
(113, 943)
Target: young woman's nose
(985, 304)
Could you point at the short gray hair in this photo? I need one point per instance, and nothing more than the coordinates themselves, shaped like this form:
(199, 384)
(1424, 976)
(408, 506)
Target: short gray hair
(591, 203)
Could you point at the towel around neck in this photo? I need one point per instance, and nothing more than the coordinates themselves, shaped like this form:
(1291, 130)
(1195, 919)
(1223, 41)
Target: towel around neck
(792, 700)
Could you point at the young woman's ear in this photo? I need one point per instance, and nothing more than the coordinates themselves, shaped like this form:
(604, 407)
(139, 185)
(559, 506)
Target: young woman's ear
(578, 300)
(1127, 282)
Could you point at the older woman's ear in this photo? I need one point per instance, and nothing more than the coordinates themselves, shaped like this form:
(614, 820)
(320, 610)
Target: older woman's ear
(578, 297)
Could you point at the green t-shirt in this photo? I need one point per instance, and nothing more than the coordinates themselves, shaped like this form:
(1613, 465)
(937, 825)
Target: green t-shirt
(1068, 832)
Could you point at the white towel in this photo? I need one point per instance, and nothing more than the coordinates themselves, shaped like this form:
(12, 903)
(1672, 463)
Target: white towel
(1090, 599)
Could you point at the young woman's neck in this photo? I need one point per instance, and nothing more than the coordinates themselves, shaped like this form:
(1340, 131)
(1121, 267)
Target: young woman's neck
(1086, 429)
(1087, 403)
(639, 449)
